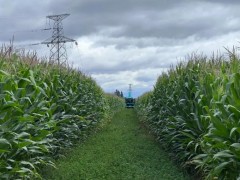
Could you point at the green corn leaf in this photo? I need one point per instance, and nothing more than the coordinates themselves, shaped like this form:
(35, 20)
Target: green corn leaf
(223, 154)
(3, 150)
(44, 148)
(27, 99)
(187, 134)
(38, 115)
(30, 90)
(24, 170)
(4, 73)
(42, 91)
(23, 82)
(27, 163)
(35, 150)
(234, 92)
(221, 167)
(26, 118)
(43, 133)
(24, 144)
(200, 156)
(236, 146)
(219, 125)
(234, 110)
(2, 96)
(23, 135)
(233, 130)
(32, 77)
(5, 144)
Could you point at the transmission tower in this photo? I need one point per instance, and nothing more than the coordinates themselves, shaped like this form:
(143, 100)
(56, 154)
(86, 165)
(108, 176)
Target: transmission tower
(58, 52)
(130, 91)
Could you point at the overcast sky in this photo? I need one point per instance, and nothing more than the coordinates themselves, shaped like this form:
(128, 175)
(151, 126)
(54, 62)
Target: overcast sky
(126, 41)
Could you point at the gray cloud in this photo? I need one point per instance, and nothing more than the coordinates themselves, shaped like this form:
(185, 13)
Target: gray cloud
(135, 39)
(226, 2)
(174, 19)
(152, 18)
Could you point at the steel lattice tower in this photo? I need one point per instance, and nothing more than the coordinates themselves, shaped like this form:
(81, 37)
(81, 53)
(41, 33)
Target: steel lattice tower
(130, 91)
(58, 52)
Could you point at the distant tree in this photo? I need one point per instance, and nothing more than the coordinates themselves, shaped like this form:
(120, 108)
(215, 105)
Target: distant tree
(118, 93)
(121, 94)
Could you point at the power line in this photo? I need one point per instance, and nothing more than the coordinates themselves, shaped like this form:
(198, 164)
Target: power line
(27, 31)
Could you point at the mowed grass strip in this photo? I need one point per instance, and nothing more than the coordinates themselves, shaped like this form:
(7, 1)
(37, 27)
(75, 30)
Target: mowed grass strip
(122, 150)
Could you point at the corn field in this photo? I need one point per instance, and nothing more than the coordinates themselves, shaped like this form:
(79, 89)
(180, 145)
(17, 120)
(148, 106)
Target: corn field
(44, 109)
(194, 111)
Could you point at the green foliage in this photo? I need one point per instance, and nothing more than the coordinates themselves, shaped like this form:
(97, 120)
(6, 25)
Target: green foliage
(115, 102)
(119, 151)
(194, 111)
(143, 106)
(43, 110)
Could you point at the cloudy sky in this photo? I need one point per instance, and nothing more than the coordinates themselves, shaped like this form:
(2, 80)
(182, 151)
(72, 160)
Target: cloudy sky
(125, 41)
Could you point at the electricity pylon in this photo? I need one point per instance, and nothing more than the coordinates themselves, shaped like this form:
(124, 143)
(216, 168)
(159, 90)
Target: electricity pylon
(130, 91)
(58, 52)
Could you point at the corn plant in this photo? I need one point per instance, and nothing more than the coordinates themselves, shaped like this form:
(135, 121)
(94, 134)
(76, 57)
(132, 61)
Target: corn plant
(194, 111)
(42, 112)
(115, 103)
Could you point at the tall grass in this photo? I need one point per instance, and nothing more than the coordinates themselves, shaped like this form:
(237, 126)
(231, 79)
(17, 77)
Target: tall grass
(43, 110)
(194, 110)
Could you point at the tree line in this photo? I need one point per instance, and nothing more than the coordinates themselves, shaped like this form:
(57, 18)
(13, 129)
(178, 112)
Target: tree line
(119, 93)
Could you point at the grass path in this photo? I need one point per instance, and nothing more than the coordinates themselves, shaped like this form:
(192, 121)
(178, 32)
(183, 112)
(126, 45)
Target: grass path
(122, 150)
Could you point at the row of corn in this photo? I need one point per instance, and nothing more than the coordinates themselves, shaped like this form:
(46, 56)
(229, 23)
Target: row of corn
(43, 110)
(194, 111)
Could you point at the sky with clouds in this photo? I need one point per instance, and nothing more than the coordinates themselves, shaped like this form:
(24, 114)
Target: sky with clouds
(128, 41)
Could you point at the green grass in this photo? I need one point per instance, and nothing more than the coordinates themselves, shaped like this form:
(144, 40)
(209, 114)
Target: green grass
(122, 150)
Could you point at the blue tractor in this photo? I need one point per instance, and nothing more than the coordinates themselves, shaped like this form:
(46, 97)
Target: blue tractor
(130, 101)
